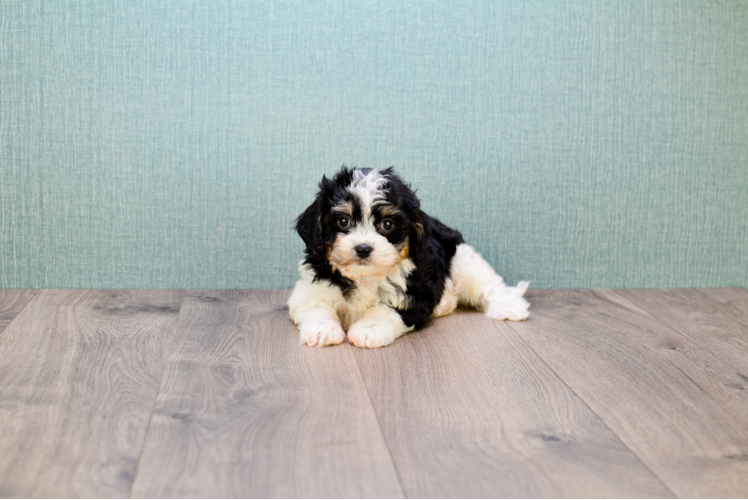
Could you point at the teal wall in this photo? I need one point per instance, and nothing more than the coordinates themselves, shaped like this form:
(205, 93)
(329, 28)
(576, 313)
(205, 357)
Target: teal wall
(171, 144)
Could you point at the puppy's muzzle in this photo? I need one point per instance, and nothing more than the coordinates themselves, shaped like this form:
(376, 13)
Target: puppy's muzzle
(363, 250)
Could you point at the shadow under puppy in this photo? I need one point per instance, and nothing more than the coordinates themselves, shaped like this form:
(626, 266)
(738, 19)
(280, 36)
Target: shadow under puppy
(377, 266)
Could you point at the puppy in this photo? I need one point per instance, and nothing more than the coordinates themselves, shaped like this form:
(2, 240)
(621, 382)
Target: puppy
(377, 266)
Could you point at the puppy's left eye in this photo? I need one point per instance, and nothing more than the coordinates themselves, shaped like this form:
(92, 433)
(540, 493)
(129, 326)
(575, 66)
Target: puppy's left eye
(386, 225)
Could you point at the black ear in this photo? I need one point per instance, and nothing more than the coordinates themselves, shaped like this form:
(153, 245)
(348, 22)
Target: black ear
(420, 229)
(420, 233)
(309, 223)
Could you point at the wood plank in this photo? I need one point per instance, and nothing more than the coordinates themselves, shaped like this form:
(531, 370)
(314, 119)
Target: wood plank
(733, 302)
(678, 407)
(79, 374)
(12, 301)
(246, 411)
(468, 410)
(714, 325)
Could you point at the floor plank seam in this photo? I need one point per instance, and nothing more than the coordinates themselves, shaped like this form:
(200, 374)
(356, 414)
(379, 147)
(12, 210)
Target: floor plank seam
(592, 410)
(381, 431)
(158, 392)
(34, 295)
(707, 297)
(676, 330)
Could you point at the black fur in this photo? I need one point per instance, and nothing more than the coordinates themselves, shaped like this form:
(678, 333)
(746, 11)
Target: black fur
(432, 244)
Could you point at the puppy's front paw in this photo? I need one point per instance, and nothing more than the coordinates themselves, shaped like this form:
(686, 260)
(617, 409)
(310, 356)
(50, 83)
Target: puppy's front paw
(368, 334)
(321, 333)
(512, 308)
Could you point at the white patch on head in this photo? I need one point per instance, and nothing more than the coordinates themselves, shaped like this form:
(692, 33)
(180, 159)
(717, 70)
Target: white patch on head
(368, 188)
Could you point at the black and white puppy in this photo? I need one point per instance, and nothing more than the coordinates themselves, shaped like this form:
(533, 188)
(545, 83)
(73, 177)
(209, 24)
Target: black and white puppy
(377, 266)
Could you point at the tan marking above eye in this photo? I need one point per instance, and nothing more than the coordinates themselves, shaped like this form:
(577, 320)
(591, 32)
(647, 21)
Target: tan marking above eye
(345, 208)
(388, 211)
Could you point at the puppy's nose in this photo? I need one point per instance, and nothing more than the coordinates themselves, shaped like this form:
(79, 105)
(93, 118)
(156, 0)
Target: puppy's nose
(363, 250)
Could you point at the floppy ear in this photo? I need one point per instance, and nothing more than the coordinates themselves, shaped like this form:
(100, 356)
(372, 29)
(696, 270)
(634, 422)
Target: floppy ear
(309, 227)
(420, 233)
(309, 223)
(420, 229)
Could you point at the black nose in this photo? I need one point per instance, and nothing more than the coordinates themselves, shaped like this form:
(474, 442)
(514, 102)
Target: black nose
(363, 250)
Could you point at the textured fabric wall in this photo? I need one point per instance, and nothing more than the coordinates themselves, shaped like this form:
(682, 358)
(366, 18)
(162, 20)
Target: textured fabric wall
(171, 144)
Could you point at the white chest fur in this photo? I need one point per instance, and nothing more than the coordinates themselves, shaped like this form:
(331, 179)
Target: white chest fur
(371, 291)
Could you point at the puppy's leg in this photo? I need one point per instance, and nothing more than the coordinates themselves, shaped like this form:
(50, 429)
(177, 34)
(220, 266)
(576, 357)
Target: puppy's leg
(312, 309)
(476, 284)
(448, 302)
(380, 326)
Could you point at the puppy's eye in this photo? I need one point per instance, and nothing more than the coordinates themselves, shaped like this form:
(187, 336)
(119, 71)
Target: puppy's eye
(344, 222)
(386, 225)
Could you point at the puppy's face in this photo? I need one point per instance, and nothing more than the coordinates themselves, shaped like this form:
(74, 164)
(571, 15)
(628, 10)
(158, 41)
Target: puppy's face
(362, 222)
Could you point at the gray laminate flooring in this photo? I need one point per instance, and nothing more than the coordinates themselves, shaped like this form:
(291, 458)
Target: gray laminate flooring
(188, 393)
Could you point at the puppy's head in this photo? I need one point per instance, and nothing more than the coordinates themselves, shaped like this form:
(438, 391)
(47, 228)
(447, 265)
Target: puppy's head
(363, 222)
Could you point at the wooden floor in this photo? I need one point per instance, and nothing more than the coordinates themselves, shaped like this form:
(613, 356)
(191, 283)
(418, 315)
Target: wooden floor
(171, 393)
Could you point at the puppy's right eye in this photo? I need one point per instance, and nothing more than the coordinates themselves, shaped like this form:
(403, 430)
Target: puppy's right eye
(344, 223)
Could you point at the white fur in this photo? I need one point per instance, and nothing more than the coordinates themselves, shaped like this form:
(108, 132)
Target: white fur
(369, 189)
(321, 303)
(379, 327)
(314, 309)
(474, 283)
(383, 256)
(448, 302)
(368, 314)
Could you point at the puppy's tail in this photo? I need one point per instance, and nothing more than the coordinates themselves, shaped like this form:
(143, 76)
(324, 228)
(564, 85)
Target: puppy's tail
(522, 287)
